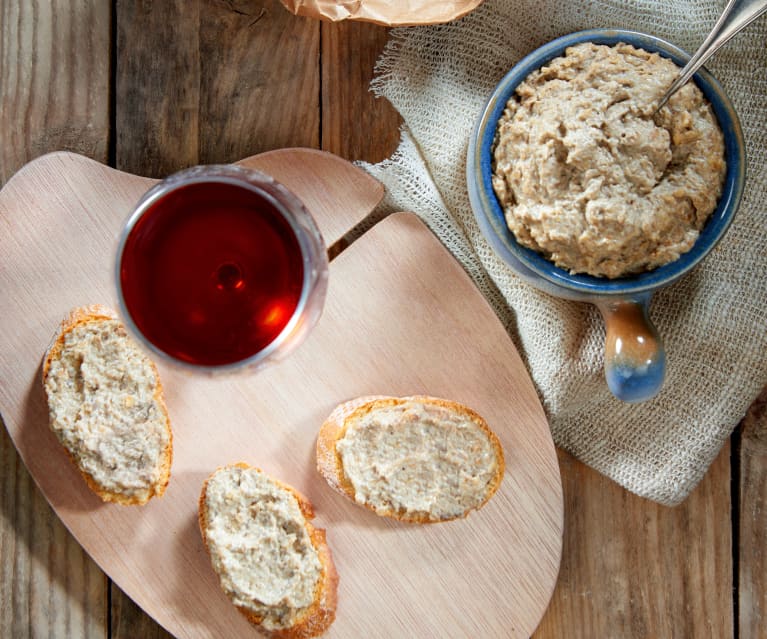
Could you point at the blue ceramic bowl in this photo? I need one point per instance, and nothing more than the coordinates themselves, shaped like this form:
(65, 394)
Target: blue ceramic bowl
(634, 355)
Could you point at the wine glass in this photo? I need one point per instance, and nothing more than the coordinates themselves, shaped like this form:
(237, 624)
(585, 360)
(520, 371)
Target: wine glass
(220, 268)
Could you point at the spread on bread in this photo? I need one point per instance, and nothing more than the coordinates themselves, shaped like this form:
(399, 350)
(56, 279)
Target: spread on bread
(271, 562)
(106, 407)
(417, 459)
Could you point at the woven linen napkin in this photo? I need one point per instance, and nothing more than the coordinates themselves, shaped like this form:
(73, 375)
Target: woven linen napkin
(712, 321)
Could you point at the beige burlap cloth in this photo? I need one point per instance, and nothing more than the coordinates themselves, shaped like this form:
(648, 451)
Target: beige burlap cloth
(713, 321)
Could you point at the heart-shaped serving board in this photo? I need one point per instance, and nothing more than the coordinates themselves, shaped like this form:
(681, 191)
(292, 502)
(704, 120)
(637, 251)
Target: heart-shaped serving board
(401, 318)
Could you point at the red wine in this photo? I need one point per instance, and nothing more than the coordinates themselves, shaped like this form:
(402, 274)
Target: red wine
(211, 273)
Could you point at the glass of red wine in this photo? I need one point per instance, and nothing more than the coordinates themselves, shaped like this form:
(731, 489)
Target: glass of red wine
(221, 268)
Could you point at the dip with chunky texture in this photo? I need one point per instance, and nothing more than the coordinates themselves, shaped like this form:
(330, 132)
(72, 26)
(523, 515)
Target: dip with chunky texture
(259, 546)
(419, 457)
(104, 408)
(587, 176)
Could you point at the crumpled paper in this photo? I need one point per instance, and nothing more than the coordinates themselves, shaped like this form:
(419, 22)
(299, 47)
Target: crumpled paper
(389, 13)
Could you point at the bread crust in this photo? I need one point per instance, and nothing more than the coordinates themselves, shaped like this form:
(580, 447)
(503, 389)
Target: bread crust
(95, 313)
(330, 465)
(321, 614)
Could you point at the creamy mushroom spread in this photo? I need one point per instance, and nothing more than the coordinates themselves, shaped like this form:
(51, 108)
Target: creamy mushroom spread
(102, 405)
(418, 458)
(589, 178)
(259, 546)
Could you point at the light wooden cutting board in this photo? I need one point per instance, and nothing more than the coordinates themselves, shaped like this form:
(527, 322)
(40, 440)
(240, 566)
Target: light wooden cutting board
(401, 318)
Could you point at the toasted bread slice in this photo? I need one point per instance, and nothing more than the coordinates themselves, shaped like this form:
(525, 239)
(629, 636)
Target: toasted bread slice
(106, 407)
(417, 459)
(274, 566)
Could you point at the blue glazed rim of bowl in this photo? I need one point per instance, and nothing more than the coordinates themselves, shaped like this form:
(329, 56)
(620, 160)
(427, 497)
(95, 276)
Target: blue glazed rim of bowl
(490, 214)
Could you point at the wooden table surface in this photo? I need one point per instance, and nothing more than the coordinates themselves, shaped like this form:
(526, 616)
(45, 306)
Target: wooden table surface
(151, 87)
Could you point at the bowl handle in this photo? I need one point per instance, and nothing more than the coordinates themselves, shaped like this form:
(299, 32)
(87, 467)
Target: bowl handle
(635, 361)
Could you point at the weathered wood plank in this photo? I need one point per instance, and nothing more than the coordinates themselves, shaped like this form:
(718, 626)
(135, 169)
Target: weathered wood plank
(49, 587)
(54, 71)
(206, 81)
(355, 124)
(260, 81)
(128, 621)
(157, 86)
(752, 525)
(632, 568)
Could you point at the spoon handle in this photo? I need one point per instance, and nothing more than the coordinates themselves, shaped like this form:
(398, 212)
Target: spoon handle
(736, 16)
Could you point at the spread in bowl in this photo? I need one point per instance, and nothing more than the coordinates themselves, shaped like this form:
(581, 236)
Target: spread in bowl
(626, 279)
(589, 176)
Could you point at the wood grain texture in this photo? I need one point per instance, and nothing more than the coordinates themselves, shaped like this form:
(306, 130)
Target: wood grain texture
(54, 70)
(49, 586)
(451, 346)
(355, 124)
(128, 621)
(212, 81)
(157, 86)
(260, 80)
(54, 94)
(632, 568)
(752, 547)
(160, 118)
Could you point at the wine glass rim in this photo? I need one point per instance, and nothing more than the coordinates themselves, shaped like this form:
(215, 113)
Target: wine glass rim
(290, 208)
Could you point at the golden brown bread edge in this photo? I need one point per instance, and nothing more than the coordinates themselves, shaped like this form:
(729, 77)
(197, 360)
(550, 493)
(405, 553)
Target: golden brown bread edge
(94, 313)
(321, 614)
(329, 462)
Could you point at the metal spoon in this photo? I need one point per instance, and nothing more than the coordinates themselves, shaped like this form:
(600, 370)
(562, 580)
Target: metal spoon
(736, 16)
